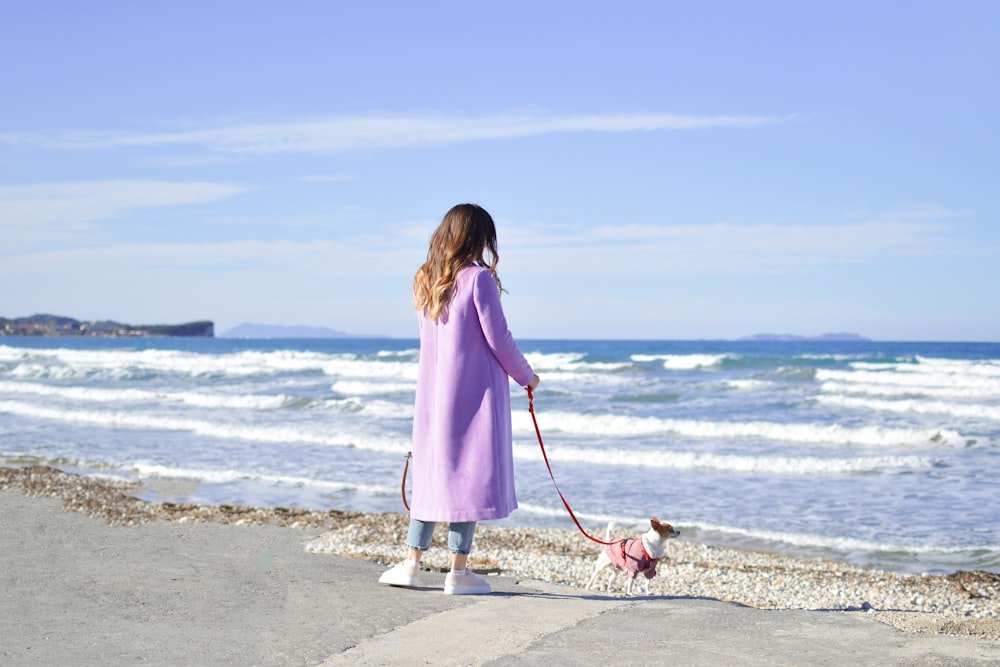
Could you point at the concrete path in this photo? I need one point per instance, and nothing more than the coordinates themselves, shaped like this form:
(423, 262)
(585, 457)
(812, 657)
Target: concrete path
(76, 591)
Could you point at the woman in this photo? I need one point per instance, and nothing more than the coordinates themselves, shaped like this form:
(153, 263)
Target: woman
(463, 463)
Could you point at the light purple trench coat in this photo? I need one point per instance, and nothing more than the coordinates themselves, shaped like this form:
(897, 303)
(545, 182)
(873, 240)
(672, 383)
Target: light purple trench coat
(463, 462)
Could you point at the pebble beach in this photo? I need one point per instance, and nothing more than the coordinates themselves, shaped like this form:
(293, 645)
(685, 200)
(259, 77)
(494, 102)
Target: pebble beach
(963, 603)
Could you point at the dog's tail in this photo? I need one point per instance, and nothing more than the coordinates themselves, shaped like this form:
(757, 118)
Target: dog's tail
(607, 531)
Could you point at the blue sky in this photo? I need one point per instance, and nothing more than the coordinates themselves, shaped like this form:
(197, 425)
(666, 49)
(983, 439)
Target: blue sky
(662, 170)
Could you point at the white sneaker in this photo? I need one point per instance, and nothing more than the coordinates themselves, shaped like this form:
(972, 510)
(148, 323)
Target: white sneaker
(405, 574)
(465, 583)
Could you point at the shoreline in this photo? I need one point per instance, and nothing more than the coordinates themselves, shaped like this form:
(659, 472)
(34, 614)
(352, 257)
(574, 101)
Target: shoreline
(964, 603)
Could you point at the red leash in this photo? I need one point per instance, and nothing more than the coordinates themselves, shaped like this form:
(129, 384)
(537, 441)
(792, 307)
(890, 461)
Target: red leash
(531, 409)
(538, 432)
(409, 455)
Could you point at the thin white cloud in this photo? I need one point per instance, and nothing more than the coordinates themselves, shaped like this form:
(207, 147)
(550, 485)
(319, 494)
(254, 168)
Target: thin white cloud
(918, 212)
(315, 259)
(715, 249)
(36, 204)
(345, 133)
(49, 212)
(327, 178)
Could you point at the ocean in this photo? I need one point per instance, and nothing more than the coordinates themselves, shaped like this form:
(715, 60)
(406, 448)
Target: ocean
(880, 454)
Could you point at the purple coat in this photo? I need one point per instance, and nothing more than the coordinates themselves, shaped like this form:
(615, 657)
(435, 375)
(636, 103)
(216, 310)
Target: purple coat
(463, 461)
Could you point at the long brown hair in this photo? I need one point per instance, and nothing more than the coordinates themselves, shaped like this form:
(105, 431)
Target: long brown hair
(465, 236)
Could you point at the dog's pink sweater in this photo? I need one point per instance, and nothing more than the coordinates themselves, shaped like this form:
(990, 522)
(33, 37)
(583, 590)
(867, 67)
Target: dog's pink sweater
(630, 557)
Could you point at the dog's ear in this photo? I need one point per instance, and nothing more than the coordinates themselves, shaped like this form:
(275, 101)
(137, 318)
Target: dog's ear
(655, 523)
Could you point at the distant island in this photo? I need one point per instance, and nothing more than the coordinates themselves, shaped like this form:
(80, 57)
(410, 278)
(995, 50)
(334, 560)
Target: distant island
(827, 337)
(57, 325)
(251, 330)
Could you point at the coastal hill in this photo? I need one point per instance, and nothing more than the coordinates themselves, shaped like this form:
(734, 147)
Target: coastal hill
(57, 325)
(827, 337)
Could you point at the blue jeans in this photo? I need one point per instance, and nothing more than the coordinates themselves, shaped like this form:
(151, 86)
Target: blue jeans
(418, 538)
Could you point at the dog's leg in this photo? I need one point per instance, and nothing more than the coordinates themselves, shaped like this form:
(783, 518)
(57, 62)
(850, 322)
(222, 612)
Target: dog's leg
(606, 558)
(628, 589)
(593, 577)
(602, 562)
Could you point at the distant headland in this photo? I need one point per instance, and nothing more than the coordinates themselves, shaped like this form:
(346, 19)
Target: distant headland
(827, 337)
(56, 325)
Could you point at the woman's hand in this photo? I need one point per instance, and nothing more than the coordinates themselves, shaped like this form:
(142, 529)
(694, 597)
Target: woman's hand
(534, 382)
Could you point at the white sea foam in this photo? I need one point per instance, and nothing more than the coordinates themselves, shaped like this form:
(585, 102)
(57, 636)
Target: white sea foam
(989, 368)
(205, 400)
(590, 518)
(679, 460)
(569, 362)
(834, 542)
(236, 431)
(363, 388)
(124, 364)
(684, 362)
(619, 425)
(984, 367)
(830, 357)
(120, 364)
(904, 390)
(387, 409)
(411, 354)
(962, 410)
(42, 371)
(749, 384)
(198, 399)
(153, 471)
(915, 382)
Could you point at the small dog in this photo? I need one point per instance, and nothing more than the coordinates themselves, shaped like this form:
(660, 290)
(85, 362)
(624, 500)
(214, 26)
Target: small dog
(634, 555)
